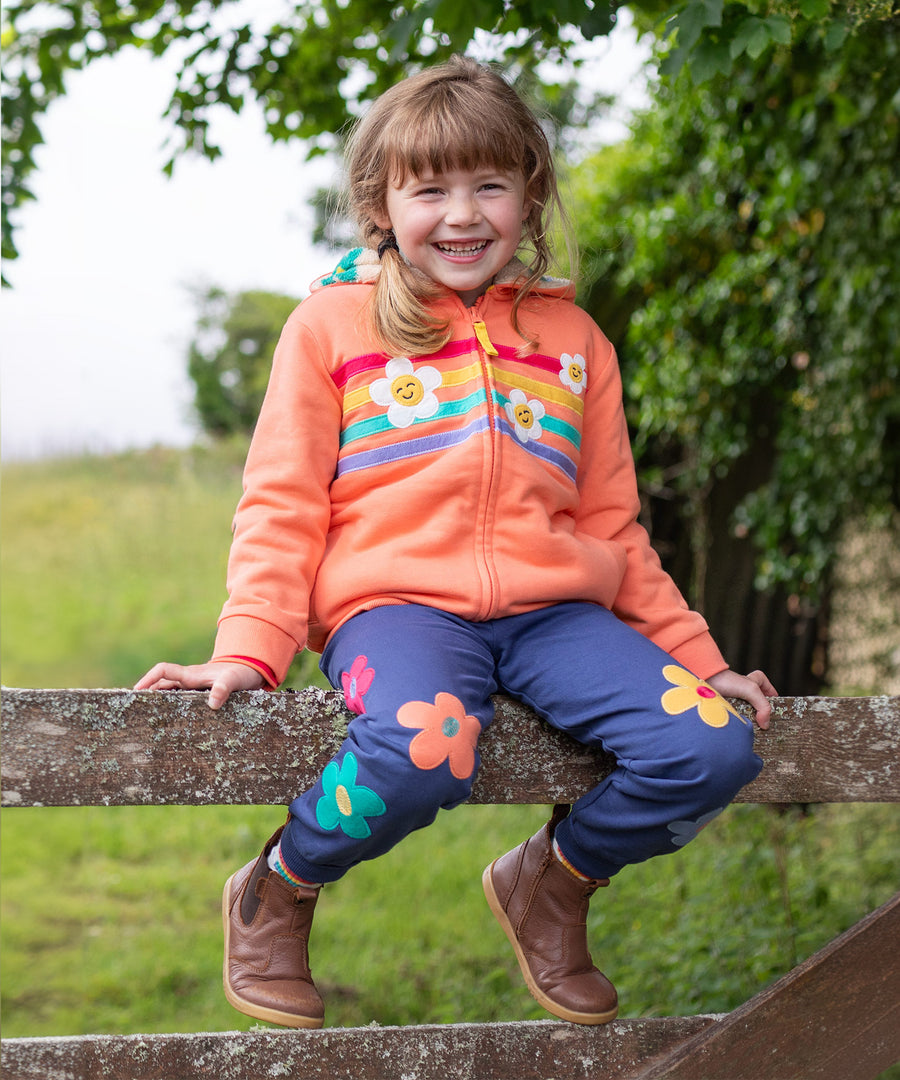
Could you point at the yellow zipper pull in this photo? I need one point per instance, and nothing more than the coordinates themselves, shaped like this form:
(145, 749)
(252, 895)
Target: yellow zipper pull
(482, 335)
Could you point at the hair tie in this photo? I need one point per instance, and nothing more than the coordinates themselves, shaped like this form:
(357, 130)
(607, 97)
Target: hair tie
(389, 243)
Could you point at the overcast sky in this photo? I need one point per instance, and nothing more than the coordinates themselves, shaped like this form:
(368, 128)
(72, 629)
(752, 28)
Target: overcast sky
(95, 328)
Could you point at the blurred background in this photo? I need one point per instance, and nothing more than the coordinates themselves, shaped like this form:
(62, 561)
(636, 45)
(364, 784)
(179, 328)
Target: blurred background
(735, 195)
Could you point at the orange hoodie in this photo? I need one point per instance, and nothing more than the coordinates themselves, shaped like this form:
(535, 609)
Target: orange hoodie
(484, 479)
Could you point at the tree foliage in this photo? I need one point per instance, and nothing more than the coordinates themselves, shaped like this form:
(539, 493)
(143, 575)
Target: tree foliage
(743, 249)
(230, 356)
(313, 68)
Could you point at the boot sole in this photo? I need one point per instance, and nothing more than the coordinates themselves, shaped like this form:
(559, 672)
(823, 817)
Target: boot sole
(536, 992)
(249, 1008)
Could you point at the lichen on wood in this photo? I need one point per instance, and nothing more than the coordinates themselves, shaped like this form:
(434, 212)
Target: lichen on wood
(114, 747)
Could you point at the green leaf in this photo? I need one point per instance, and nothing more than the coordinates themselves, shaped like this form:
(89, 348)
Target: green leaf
(693, 19)
(400, 33)
(597, 21)
(815, 9)
(458, 21)
(673, 61)
(779, 27)
(713, 11)
(836, 35)
(759, 41)
(746, 31)
(708, 59)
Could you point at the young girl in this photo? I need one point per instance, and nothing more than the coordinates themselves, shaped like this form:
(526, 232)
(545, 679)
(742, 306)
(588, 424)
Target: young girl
(440, 497)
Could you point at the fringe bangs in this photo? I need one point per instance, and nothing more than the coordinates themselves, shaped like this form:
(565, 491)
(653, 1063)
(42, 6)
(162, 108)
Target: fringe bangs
(450, 130)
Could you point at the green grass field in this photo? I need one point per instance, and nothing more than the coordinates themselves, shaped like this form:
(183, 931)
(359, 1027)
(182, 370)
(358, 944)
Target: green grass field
(111, 916)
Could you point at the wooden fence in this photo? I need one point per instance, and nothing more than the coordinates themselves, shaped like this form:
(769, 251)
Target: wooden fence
(834, 1017)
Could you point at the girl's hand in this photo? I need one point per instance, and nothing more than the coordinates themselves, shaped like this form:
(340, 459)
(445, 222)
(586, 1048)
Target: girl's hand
(222, 678)
(754, 688)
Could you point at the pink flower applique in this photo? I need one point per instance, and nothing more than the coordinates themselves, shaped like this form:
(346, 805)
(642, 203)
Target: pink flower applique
(356, 682)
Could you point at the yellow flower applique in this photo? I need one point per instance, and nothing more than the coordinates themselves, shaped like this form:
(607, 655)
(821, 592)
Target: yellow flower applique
(689, 692)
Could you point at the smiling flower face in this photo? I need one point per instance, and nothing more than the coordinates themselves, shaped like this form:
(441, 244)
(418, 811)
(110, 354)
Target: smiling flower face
(572, 373)
(407, 392)
(689, 692)
(525, 416)
(447, 732)
(346, 803)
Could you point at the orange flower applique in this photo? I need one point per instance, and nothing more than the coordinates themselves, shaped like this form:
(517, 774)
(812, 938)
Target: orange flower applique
(690, 692)
(447, 732)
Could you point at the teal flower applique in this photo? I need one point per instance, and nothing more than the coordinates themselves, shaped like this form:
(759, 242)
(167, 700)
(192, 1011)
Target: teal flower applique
(345, 271)
(345, 802)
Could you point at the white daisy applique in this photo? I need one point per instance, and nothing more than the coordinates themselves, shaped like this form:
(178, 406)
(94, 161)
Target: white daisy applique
(572, 372)
(525, 416)
(407, 392)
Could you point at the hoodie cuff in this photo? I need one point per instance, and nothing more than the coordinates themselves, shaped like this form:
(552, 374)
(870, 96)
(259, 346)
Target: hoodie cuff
(257, 642)
(701, 656)
(267, 673)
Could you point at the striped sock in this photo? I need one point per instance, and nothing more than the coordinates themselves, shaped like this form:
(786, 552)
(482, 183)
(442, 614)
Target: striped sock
(276, 863)
(565, 862)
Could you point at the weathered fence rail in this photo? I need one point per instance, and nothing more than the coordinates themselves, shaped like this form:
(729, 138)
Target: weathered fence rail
(835, 1017)
(118, 747)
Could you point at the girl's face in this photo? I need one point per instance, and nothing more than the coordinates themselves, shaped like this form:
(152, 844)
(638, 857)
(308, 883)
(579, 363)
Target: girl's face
(460, 227)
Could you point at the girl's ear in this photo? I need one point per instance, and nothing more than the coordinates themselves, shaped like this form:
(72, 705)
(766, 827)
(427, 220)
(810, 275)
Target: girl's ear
(382, 220)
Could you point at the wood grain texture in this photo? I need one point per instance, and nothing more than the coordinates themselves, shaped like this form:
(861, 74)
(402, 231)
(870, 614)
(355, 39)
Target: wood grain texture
(529, 1050)
(118, 747)
(836, 1016)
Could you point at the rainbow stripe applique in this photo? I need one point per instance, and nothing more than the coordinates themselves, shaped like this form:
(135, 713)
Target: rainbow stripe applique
(399, 408)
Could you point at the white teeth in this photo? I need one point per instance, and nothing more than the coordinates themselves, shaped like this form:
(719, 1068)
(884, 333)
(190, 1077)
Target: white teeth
(463, 249)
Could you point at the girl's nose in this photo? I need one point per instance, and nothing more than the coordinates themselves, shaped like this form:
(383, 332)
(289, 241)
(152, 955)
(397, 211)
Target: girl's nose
(462, 209)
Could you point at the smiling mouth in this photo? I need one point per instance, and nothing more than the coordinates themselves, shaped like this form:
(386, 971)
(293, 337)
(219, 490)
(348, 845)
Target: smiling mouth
(472, 247)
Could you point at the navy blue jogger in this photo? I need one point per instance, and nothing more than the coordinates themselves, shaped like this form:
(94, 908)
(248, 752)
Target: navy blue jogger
(420, 681)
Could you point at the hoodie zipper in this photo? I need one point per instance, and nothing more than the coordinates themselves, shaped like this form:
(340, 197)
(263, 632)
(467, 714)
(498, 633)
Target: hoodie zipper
(485, 524)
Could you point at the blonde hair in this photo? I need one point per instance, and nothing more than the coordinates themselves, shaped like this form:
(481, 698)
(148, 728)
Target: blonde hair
(456, 115)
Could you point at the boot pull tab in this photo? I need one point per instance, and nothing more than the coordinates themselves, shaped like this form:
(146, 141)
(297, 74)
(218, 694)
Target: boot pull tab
(560, 813)
(592, 886)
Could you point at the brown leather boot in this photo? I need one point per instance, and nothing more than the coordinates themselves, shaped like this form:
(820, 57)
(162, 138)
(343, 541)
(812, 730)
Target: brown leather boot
(542, 908)
(267, 923)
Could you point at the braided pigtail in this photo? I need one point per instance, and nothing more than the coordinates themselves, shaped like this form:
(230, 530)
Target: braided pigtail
(400, 302)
